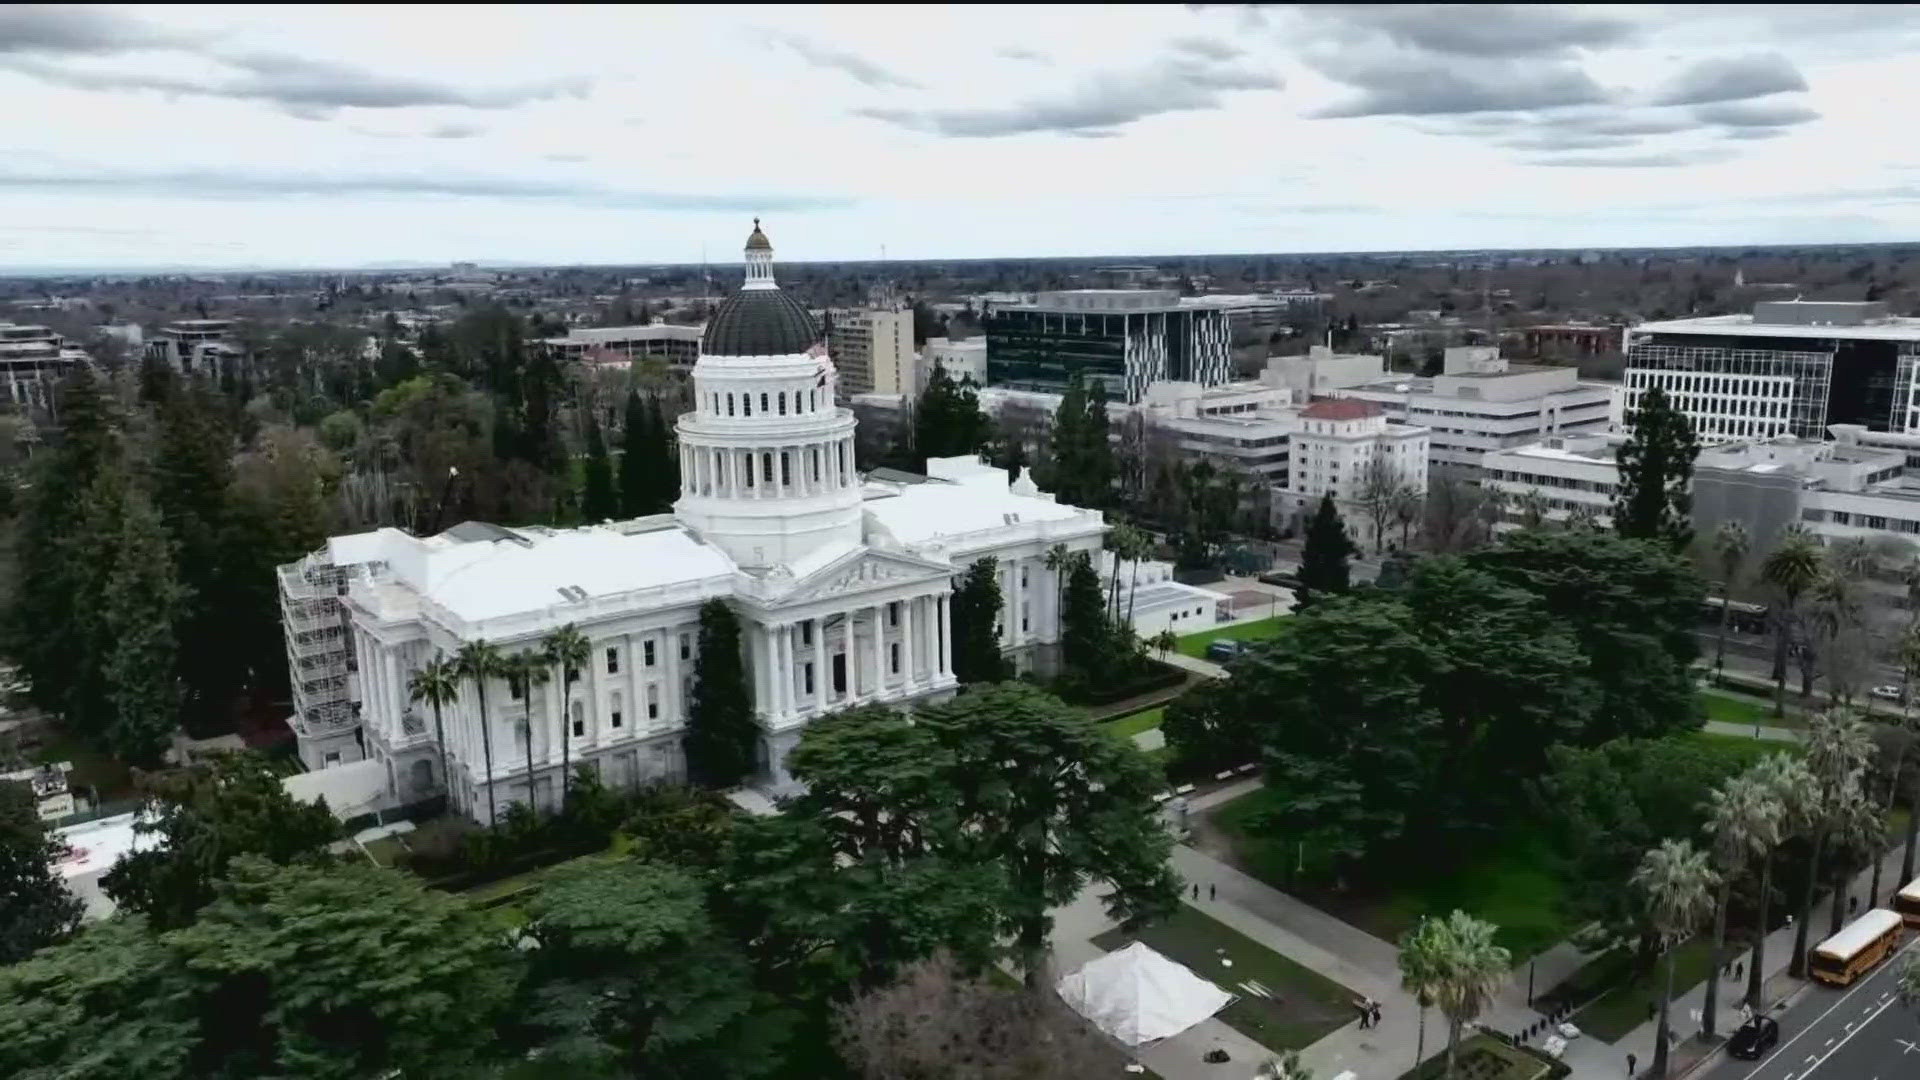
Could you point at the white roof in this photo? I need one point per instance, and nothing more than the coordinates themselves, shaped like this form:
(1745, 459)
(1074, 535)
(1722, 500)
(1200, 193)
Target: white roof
(1892, 329)
(1137, 995)
(94, 846)
(924, 512)
(350, 790)
(1859, 933)
(505, 577)
(1912, 891)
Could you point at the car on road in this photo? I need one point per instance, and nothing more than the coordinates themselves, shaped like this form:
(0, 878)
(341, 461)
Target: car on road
(1755, 1038)
(1221, 650)
(1284, 579)
(1889, 692)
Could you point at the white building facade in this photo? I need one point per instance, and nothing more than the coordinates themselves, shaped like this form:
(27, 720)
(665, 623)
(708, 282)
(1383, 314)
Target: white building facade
(872, 350)
(841, 587)
(1339, 440)
(961, 360)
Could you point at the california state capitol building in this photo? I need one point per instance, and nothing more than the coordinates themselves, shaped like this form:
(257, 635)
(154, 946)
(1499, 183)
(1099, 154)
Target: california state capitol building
(841, 584)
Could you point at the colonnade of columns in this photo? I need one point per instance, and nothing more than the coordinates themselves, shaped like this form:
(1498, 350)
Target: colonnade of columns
(907, 646)
(795, 470)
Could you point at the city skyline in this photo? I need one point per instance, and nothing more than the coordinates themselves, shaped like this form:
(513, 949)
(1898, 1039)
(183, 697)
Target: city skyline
(328, 138)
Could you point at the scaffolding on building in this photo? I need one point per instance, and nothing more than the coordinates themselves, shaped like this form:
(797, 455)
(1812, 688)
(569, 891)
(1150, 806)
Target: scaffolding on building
(320, 657)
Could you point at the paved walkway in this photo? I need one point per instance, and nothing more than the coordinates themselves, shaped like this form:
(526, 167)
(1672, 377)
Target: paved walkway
(1193, 663)
(1751, 731)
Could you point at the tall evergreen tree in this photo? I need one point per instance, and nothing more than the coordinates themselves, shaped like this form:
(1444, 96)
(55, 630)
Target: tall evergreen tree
(1066, 442)
(141, 607)
(1096, 450)
(44, 620)
(947, 420)
(36, 908)
(635, 485)
(1324, 569)
(975, 615)
(192, 478)
(666, 460)
(721, 735)
(599, 503)
(1656, 473)
(1085, 638)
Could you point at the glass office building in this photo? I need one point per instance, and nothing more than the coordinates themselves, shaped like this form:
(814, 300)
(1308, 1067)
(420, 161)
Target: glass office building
(1124, 339)
(1791, 368)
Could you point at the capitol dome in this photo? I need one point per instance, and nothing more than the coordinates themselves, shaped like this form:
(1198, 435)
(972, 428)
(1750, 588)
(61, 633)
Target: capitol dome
(759, 319)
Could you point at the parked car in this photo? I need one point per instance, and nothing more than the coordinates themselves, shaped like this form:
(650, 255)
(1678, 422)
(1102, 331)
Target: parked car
(1221, 650)
(1889, 692)
(1284, 579)
(1755, 1038)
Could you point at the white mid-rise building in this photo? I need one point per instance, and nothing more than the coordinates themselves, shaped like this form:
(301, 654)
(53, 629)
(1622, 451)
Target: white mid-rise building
(677, 346)
(873, 351)
(962, 360)
(1338, 443)
(841, 586)
(196, 347)
(1482, 403)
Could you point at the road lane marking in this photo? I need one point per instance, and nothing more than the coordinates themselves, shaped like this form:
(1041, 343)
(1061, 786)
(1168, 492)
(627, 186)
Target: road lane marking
(1823, 1057)
(1862, 985)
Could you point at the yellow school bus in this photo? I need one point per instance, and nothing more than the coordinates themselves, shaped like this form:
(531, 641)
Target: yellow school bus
(1854, 951)
(1907, 902)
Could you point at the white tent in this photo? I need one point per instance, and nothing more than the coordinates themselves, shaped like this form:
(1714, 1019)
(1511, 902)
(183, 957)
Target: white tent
(1136, 995)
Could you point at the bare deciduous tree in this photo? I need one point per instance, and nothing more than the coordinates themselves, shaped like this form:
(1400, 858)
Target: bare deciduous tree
(936, 1023)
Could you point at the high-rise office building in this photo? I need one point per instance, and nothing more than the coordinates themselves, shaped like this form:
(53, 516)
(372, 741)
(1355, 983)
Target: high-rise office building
(1125, 339)
(1793, 367)
(873, 350)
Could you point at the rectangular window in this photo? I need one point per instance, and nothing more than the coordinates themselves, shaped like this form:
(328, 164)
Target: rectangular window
(653, 703)
(686, 647)
(807, 677)
(613, 661)
(646, 651)
(614, 718)
(513, 689)
(893, 613)
(806, 632)
(893, 657)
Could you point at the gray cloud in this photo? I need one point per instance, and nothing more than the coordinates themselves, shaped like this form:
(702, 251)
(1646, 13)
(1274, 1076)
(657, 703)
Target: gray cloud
(304, 87)
(1566, 140)
(1629, 161)
(1219, 52)
(1432, 87)
(1629, 124)
(1486, 31)
(73, 29)
(456, 131)
(854, 66)
(1754, 133)
(217, 184)
(1098, 104)
(1731, 79)
(1755, 114)
(567, 159)
(1015, 52)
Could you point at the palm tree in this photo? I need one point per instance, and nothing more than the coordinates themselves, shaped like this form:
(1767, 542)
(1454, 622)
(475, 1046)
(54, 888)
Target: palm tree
(1858, 833)
(527, 671)
(1837, 748)
(1678, 886)
(1910, 980)
(1287, 1066)
(1531, 507)
(1420, 970)
(1790, 570)
(1471, 971)
(480, 661)
(1058, 561)
(568, 650)
(1740, 820)
(1139, 545)
(1730, 548)
(438, 684)
(1793, 793)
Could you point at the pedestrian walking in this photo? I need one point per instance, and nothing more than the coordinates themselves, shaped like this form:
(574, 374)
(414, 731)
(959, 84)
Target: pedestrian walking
(1376, 1014)
(1853, 904)
(1210, 891)
(1739, 971)
(1196, 890)
(1365, 1014)
(1631, 1062)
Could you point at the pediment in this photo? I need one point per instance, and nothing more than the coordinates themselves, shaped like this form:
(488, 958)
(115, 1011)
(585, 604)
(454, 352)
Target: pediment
(865, 570)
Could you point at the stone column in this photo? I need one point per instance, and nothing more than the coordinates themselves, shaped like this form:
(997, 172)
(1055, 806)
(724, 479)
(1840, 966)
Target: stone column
(879, 648)
(757, 635)
(907, 667)
(820, 672)
(853, 668)
(944, 626)
(785, 670)
(670, 685)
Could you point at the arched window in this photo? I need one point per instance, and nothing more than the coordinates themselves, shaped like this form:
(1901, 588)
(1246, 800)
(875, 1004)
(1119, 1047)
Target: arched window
(749, 469)
(786, 472)
(746, 405)
(763, 402)
(782, 395)
(766, 466)
(813, 401)
(729, 404)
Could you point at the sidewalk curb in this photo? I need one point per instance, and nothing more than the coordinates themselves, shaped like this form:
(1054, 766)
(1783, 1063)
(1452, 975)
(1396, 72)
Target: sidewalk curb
(1719, 1053)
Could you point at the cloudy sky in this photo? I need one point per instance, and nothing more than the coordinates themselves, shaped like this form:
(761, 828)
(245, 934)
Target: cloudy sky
(250, 135)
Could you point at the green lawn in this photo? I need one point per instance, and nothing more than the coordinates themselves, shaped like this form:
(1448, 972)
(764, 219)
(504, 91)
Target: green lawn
(1505, 880)
(1737, 708)
(1298, 1007)
(1258, 630)
(1624, 1007)
(1126, 727)
(91, 767)
(387, 850)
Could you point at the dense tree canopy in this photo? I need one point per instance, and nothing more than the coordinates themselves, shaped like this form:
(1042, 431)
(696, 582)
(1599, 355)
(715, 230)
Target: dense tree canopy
(1324, 568)
(722, 739)
(1656, 474)
(36, 909)
(974, 614)
(947, 420)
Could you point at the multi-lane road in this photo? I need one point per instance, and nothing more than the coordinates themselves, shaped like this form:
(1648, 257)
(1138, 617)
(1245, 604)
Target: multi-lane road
(1863, 1032)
